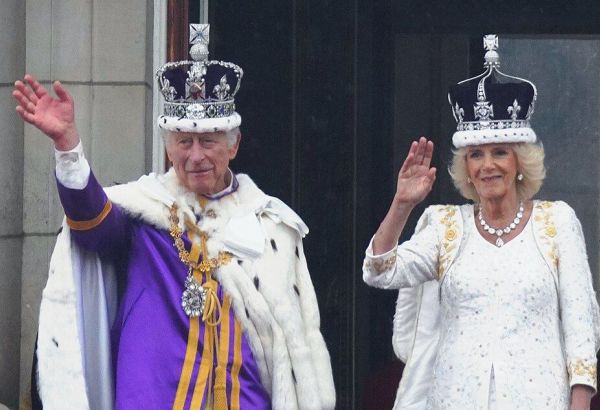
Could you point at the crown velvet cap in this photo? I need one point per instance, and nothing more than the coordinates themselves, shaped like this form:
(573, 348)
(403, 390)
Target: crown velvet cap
(492, 107)
(199, 94)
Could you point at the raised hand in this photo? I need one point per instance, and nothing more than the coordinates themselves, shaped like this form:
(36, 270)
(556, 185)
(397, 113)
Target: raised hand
(55, 117)
(416, 177)
(415, 180)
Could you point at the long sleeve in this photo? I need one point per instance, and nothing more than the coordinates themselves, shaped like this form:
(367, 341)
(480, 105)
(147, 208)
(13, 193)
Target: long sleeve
(95, 223)
(578, 305)
(413, 262)
(72, 168)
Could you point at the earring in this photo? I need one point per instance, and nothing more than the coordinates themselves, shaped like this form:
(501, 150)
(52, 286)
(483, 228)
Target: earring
(468, 180)
(520, 177)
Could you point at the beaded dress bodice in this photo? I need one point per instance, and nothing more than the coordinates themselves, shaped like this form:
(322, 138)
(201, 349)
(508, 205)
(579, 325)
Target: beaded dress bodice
(500, 328)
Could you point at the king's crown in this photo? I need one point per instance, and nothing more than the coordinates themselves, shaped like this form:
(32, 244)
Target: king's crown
(199, 88)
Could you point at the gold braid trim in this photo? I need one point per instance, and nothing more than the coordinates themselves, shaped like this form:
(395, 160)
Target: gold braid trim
(585, 368)
(90, 223)
(544, 217)
(448, 220)
(382, 265)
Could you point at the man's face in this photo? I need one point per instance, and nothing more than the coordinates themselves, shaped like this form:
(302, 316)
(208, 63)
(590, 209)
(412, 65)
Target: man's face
(201, 160)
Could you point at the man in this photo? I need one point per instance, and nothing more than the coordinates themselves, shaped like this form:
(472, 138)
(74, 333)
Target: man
(182, 290)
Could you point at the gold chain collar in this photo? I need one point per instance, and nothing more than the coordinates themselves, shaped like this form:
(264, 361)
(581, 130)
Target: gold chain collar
(206, 265)
(198, 300)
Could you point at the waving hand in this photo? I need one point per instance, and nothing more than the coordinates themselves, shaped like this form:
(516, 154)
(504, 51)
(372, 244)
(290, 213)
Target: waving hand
(416, 177)
(53, 116)
(415, 180)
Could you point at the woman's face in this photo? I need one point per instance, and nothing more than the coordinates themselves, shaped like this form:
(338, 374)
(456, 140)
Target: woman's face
(492, 169)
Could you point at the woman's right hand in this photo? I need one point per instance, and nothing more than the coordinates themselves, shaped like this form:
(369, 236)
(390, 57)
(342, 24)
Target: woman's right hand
(416, 177)
(415, 181)
(55, 117)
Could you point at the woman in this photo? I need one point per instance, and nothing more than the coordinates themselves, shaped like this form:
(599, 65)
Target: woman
(511, 320)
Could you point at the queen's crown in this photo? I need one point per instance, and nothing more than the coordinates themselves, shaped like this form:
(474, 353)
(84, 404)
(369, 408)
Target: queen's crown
(493, 106)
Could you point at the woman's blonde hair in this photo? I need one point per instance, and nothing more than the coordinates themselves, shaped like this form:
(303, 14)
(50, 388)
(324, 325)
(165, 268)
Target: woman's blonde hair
(530, 163)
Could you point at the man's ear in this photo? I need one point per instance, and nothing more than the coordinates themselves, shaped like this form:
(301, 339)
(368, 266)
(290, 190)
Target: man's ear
(168, 153)
(233, 150)
(167, 143)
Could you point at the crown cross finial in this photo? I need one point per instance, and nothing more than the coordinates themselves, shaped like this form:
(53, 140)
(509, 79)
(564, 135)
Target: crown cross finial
(199, 38)
(199, 33)
(490, 44)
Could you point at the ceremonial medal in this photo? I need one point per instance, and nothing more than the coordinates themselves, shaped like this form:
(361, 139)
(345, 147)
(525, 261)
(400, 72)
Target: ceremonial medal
(193, 298)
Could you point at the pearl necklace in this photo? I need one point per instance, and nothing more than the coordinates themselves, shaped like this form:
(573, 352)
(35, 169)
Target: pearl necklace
(501, 231)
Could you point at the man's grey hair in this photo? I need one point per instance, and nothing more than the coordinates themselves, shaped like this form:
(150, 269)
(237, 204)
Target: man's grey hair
(231, 135)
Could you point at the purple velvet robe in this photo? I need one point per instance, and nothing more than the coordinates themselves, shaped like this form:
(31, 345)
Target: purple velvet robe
(149, 336)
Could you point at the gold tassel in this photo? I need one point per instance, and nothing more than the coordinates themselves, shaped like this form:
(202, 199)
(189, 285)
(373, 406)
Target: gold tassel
(220, 389)
(212, 307)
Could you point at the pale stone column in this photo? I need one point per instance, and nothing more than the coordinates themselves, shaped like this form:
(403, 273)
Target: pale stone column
(102, 52)
(12, 44)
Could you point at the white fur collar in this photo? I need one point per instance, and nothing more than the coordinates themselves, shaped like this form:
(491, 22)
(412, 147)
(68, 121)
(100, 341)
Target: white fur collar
(151, 197)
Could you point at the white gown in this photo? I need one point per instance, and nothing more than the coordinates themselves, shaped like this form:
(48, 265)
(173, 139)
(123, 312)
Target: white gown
(502, 343)
(499, 310)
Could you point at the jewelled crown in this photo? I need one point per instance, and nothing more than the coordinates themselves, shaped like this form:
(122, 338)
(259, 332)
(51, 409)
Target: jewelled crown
(493, 107)
(199, 93)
